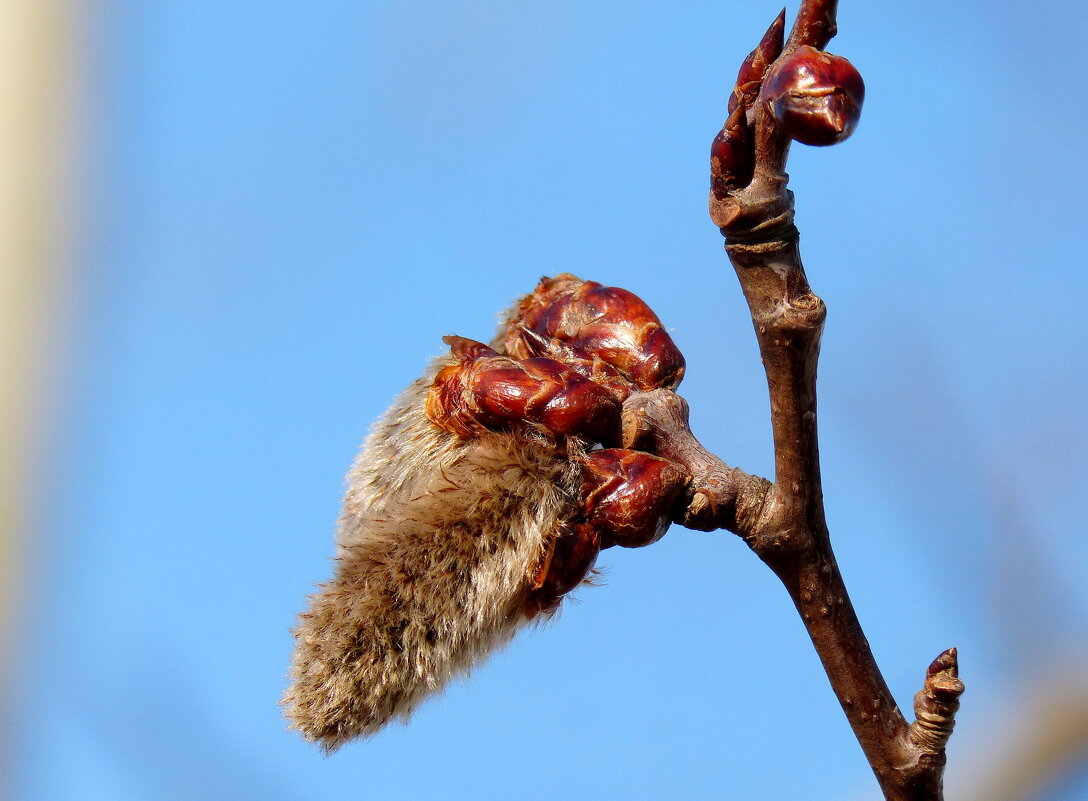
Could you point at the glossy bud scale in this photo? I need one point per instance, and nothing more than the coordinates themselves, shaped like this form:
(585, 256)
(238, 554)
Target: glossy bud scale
(732, 159)
(596, 323)
(754, 67)
(628, 495)
(566, 563)
(816, 96)
(484, 391)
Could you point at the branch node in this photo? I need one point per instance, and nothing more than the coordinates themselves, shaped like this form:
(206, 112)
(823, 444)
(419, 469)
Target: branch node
(719, 496)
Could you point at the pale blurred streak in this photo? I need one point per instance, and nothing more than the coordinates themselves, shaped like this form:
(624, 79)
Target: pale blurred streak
(1039, 737)
(38, 54)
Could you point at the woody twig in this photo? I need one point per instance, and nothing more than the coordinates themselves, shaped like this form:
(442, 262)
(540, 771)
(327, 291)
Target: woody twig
(789, 89)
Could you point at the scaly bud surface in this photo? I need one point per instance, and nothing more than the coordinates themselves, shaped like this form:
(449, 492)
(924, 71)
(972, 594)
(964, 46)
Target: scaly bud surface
(628, 495)
(570, 556)
(732, 160)
(754, 67)
(487, 392)
(597, 322)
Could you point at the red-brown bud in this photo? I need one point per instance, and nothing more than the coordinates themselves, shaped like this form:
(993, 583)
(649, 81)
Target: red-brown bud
(567, 560)
(485, 392)
(816, 96)
(596, 322)
(628, 495)
(732, 158)
(586, 364)
(753, 68)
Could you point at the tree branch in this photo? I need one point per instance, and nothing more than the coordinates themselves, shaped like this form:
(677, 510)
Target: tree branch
(784, 522)
(815, 25)
(719, 496)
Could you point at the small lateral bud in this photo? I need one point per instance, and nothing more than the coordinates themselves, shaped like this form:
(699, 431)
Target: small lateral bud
(936, 704)
(816, 96)
(754, 67)
(946, 662)
(943, 677)
(566, 563)
(732, 158)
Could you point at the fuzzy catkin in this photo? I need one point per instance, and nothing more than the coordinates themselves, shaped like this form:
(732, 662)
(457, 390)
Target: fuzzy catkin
(436, 545)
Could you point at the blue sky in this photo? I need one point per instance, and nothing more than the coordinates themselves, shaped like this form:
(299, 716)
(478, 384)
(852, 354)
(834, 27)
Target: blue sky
(282, 211)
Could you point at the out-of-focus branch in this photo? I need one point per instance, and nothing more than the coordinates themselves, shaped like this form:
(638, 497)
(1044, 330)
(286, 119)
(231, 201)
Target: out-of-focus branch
(37, 71)
(1044, 739)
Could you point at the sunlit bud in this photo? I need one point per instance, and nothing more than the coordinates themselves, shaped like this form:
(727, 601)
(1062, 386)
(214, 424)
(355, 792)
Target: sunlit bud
(816, 96)
(487, 392)
(732, 159)
(754, 67)
(597, 322)
(567, 561)
(628, 495)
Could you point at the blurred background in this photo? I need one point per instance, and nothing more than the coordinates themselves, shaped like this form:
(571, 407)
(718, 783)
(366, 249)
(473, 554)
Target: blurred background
(233, 232)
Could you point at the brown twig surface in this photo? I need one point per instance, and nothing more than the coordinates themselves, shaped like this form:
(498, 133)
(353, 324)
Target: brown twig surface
(783, 522)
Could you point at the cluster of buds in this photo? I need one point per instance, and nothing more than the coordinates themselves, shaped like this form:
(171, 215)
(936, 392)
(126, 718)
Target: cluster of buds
(574, 351)
(479, 500)
(811, 96)
(732, 153)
